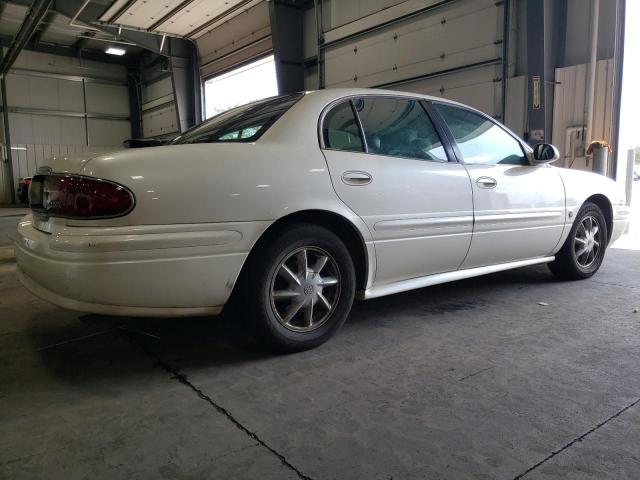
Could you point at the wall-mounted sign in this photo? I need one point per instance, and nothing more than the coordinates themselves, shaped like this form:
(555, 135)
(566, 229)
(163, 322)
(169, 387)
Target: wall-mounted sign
(537, 135)
(535, 92)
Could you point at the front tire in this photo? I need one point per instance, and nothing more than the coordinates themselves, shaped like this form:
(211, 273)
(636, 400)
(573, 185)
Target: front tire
(299, 288)
(583, 251)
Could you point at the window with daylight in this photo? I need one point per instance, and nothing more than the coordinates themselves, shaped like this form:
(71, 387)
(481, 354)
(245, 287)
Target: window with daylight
(251, 82)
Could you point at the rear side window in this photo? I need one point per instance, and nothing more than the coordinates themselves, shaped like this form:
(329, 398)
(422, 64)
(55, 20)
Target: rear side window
(480, 140)
(242, 124)
(399, 127)
(340, 129)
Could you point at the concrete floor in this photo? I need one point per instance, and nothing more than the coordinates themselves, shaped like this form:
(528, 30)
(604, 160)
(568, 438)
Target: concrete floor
(472, 379)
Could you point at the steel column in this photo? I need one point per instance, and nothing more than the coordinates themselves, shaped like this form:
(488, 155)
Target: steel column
(7, 139)
(506, 13)
(135, 102)
(286, 32)
(185, 76)
(536, 131)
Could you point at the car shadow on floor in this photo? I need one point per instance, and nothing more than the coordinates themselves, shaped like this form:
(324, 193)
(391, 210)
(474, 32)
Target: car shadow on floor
(98, 346)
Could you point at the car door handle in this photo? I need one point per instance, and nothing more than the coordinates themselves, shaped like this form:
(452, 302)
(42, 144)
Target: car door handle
(356, 178)
(486, 182)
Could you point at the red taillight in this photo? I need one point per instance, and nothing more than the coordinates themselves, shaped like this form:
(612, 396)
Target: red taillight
(75, 196)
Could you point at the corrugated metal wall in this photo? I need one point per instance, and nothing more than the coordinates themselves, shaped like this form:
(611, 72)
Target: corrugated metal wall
(61, 105)
(569, 106)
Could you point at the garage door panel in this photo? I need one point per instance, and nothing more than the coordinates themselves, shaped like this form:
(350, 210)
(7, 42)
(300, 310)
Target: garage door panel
(459, 36)
(247, 34)
(189, 19)
(476, 88)
(155, 90)
(161, 121)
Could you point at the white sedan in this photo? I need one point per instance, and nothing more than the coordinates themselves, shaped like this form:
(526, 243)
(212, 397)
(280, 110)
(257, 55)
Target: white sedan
(293, 205)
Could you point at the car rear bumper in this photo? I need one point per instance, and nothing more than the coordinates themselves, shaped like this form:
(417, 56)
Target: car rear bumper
(157, 271)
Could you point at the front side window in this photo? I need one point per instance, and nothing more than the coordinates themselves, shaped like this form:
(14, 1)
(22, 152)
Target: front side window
(242, 124)
(340, 129)
(479, 139)
(399, 127)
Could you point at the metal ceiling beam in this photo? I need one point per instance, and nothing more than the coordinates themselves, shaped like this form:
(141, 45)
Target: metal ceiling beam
(69, 51)
(29, 25)
(35, 40)
(91, 13)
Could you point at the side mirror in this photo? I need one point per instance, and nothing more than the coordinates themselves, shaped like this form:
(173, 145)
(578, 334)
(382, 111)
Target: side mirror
(545, 153)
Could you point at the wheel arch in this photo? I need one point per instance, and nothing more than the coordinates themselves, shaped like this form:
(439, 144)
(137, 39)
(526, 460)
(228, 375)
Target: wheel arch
(607, 210)
(332, 221)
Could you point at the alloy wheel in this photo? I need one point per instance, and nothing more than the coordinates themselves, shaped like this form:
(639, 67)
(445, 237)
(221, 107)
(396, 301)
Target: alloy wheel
(587, 242)
(305, 289)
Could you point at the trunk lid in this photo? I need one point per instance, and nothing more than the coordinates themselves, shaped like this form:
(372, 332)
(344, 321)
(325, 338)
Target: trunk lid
(72, 163)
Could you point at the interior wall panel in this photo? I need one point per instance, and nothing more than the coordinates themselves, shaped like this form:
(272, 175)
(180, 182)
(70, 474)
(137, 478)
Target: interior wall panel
(28, 157)
(569, 107)
(108, 99)
(47, 107)
(46, 129)
(108, 132)
(44, 93)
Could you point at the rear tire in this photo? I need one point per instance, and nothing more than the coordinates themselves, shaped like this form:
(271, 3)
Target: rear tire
(299, 288)
(583, 251)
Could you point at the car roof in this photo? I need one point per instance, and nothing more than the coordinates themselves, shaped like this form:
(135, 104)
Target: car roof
(340, 92)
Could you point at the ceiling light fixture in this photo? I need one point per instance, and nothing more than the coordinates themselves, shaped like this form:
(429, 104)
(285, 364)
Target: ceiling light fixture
(116, 51)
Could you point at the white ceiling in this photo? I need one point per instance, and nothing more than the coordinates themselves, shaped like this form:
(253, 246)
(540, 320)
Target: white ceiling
(186, 18)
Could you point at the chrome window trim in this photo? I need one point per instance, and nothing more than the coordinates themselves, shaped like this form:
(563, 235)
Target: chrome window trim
(526, 149)
(328, 107)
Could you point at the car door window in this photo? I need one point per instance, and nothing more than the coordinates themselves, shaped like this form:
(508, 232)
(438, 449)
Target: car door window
(399, 127)
(340, 129)
(480, 140)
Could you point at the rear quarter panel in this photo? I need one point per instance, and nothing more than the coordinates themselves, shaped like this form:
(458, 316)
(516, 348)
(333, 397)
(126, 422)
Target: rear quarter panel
(215, 182)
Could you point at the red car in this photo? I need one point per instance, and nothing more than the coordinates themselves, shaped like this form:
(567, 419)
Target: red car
(23, 189)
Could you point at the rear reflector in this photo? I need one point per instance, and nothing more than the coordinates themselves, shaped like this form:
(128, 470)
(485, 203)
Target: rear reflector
(75, 196)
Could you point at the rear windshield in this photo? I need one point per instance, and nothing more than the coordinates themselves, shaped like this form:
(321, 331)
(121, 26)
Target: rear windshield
(241, 124)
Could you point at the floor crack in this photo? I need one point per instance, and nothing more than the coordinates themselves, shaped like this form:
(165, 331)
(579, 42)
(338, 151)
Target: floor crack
(575, 440)
(462, 379)
(182, 378)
